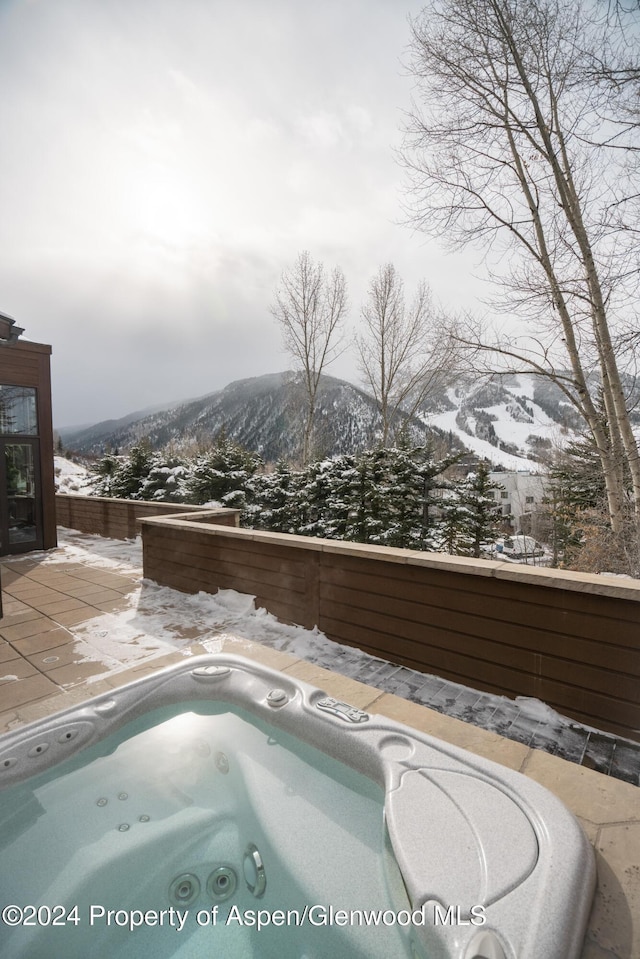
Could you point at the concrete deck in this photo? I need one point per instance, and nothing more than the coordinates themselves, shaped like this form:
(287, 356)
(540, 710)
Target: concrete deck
(40, 674)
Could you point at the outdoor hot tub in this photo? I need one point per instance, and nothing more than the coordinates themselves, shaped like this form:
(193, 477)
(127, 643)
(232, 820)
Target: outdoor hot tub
(220, 808)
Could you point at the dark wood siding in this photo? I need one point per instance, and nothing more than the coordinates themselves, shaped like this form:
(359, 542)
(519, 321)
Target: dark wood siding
(29, 364)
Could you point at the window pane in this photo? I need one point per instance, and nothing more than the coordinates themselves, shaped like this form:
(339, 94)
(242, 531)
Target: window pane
(18, 410)
(21, 487)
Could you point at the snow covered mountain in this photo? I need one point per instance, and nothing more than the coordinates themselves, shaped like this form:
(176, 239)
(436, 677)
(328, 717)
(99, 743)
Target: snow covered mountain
(264, 414)
(513, 421)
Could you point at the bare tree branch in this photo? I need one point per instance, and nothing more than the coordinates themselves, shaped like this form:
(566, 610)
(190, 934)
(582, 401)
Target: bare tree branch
(404, 353)
(310, 309)
(504, 151)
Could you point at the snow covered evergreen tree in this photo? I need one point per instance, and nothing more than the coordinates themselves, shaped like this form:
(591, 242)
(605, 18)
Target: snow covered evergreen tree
(577, 509)
(478, 511)
(221, 475)
(453, 534)
(396, 494)
(314, 499)
(416, 481)
(564, 534)
(274, 500)
(105, 470)
(360, 496)
(342, 483)
(166, 480)
(373, 506)
(130, 474)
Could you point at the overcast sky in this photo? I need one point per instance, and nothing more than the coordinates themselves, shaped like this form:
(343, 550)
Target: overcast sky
(163, 161)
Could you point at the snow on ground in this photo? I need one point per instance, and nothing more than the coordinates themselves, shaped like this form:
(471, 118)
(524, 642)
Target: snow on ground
(98, 551)
(71, 477)
(162, 620)
(536, 710)
(159, 620)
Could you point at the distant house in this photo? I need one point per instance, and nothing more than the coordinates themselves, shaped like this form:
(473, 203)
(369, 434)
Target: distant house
(27, 490)
(521, 494)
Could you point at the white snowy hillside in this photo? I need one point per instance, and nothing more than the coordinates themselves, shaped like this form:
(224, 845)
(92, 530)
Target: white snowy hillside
(505, 420)
(71, 477)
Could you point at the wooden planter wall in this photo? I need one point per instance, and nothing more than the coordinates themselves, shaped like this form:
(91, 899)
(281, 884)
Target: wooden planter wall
(569, 639)
(120, 518)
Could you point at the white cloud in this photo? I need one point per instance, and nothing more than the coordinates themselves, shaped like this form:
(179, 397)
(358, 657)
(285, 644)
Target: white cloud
(164, 162)
(322, 129)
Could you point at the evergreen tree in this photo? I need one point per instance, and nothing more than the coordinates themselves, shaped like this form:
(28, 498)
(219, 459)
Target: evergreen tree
(403, 503)
(577, 504)
(324, 498)
(221, 475)
(374, 506)
(453, 535)
(274, 500)
(342, 497)
(577, 477)
(315, 499)
(406, 483)
(415, 483)
(128, 478)
(165, 481)
(564, 533)
(478, 511)
(105, 470)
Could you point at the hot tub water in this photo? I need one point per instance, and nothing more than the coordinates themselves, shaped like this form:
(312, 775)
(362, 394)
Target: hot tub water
(169, 822)
(221, 810)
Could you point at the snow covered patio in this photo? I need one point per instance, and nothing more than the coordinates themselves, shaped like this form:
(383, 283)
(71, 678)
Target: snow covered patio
(82, 615)
(80, 620)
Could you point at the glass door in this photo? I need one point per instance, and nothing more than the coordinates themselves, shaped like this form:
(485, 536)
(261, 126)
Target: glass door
(20, 519)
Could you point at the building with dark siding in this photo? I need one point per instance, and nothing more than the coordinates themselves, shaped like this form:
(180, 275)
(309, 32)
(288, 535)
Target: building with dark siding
(27, 487)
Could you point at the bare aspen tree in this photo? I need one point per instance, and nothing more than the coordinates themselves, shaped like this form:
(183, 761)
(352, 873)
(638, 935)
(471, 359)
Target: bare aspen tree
(310, 308)
(503, 152)
(403, 355)
(615, 67)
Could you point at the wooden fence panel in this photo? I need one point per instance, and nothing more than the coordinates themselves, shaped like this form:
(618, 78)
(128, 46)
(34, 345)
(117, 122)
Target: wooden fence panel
(568, 639)
(120, 518)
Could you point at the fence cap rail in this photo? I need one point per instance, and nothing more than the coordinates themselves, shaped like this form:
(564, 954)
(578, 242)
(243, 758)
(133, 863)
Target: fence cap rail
(145, 503)
(617, 587)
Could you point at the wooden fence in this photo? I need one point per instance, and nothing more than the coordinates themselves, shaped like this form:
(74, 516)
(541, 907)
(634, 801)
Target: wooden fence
(120, 518)
(569, 639)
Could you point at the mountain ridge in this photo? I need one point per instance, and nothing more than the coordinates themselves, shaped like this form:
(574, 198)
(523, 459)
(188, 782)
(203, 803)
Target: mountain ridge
(264, 414)
(512, 420)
